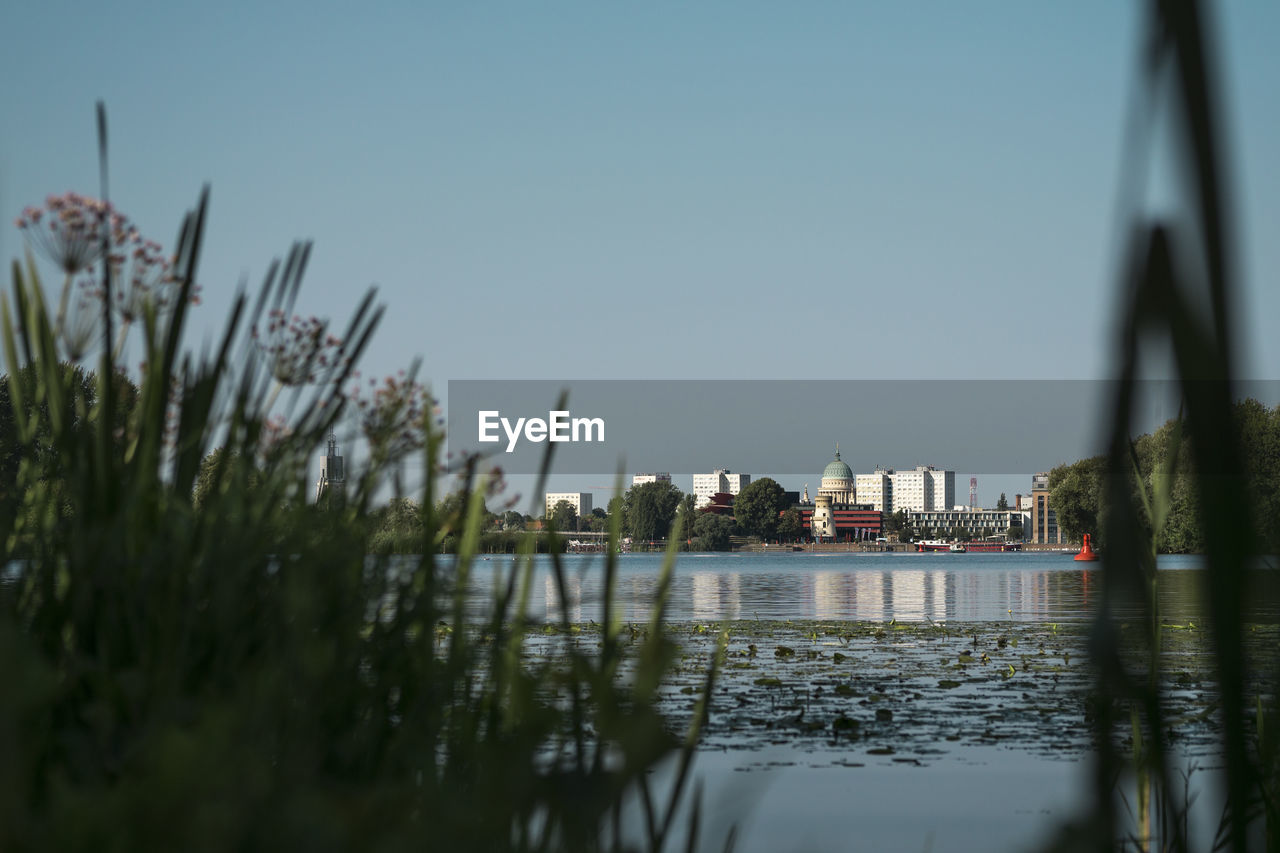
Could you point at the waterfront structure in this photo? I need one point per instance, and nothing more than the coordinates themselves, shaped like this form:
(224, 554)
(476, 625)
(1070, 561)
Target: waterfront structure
(659, 477)
(978, 523)
(837, 481)
(1044, 521)
(333, 477)
(580, 501)
(876, 489)
(705, 486)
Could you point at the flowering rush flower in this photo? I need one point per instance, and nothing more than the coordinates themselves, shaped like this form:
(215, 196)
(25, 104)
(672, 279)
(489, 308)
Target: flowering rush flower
(391, 414)
(300, 350)
(68, 230)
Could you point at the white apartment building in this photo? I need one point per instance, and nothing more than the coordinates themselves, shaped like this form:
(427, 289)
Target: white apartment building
(659, 477)
(875, 489)
(912, 490)
(722, 480)
(921, 489)
(944, 489)
(580, 501)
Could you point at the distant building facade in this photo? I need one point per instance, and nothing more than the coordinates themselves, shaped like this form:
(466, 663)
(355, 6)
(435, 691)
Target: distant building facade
(705, 486)
(659, 477)
(580, 501)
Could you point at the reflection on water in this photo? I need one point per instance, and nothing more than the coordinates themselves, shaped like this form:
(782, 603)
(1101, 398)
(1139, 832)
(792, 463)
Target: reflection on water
(878, 587)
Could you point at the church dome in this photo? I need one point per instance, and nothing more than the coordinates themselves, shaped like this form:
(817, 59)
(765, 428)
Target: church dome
(837, 470)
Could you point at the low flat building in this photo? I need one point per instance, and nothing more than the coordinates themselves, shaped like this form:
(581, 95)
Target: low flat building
(978, 523)
(658, 477)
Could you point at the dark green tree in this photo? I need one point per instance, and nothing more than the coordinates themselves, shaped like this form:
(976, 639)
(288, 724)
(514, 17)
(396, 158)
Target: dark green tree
(1075, 495)
(563, 517)
(713, 531)
(790, 526)
(650, 508)
(758, 506)
(1003, 503)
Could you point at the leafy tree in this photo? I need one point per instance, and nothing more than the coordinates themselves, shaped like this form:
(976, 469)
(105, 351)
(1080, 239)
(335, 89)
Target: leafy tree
(563, 517)
(896, 521)
(1003, 503)
(650, 508)
(713, 531)
(686, 514)
(1014, 533)
(512, 520)
(790, 526)
(1075, 496)
(396, 528)
(757, 507)
(219, 470)
(618, 507)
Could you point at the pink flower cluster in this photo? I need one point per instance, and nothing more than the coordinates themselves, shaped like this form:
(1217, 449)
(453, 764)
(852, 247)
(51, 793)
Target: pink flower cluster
(392, 414)
(300, 350)
(68, 229)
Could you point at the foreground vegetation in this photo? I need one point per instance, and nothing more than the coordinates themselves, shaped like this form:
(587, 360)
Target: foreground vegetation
(198, 657)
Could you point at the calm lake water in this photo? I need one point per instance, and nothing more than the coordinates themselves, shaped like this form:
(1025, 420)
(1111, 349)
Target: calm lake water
(960, 796)
(1026, 586)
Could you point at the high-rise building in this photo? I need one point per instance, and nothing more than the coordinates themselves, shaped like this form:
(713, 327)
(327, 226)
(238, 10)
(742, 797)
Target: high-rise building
(1044, 521)
(912, 490)
(944, 488)
(721, 480)
(922, 488)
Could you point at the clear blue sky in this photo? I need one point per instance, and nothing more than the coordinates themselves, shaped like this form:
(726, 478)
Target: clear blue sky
(589, 190)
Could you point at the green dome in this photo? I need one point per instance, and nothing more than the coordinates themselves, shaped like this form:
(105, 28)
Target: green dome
(837, 470)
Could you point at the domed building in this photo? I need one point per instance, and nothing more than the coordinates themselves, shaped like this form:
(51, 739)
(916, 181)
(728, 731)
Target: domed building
(835, 515)
(837, 481)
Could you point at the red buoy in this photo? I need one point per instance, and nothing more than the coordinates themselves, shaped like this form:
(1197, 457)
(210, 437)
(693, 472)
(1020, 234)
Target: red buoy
(1086, 553)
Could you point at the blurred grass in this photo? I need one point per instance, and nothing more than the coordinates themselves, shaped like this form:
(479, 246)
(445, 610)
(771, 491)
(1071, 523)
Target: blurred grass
(1178, 284)
(196, 658)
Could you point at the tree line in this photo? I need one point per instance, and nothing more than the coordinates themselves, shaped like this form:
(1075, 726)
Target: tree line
(1078, 491)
